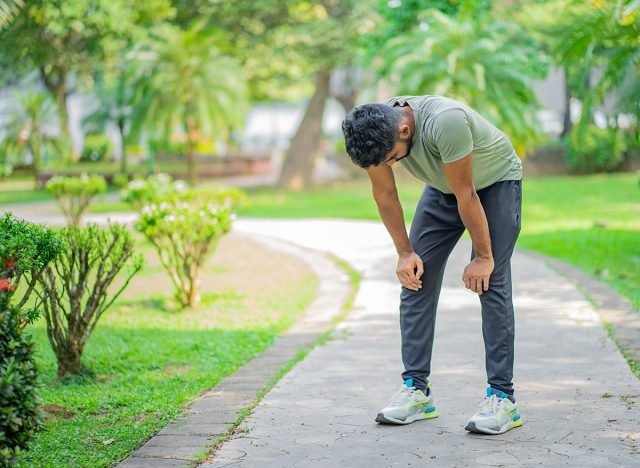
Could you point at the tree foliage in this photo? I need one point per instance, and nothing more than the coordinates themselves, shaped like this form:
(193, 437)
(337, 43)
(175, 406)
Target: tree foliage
(488, 63)
(30, 131)
(185, 82)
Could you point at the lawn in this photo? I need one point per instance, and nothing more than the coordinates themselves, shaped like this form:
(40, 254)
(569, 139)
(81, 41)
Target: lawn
(590, 221)
(147, 360)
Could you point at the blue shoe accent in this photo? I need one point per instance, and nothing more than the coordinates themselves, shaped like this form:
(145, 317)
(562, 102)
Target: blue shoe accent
(409, 383)
(496, 392)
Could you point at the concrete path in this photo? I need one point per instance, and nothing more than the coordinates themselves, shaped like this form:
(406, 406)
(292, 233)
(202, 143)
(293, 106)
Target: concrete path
(579, 400)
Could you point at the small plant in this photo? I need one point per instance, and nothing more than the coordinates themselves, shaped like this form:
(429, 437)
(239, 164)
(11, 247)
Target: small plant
(25, 251)
(75, 287)
(141, 192)
(185, 228)
(97, 147)
(74, 194)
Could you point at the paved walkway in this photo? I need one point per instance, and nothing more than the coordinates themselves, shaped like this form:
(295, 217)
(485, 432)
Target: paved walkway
(579, 400)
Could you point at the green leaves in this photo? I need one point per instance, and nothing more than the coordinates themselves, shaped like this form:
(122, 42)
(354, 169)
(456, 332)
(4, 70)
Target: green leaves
(75, 193)
(184, 226)
(182, 75)
(487, 63)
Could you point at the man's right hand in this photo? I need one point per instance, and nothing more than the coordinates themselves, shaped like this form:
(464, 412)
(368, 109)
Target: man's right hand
(409, 271)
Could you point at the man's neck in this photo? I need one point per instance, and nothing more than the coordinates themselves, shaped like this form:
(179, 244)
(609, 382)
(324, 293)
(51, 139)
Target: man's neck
(407, 113)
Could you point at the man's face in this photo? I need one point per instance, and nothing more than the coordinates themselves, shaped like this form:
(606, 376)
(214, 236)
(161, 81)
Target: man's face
(401, 149)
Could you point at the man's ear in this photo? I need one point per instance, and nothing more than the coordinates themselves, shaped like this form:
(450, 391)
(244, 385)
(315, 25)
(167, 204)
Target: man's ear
(404, 131)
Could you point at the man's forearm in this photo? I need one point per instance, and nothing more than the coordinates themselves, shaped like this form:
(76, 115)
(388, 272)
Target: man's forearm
(393, 218)
(475, 221)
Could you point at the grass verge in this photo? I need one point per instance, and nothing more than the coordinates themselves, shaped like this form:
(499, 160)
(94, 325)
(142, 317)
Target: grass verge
(146, 360)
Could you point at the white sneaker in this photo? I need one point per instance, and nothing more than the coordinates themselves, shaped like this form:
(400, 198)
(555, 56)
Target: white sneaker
(408, 405)
(496, 414)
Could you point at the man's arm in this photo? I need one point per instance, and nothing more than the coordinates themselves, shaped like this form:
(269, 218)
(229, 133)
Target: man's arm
(459, 176)
(383, 186)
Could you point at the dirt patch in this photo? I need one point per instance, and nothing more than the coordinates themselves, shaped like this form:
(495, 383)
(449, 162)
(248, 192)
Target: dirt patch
(240, 267)
(53, 411)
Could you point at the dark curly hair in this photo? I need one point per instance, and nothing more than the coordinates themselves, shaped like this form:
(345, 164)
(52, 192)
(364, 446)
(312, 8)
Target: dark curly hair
(370, 132)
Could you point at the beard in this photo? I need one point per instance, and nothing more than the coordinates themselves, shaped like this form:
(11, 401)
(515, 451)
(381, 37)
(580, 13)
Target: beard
(408, 142)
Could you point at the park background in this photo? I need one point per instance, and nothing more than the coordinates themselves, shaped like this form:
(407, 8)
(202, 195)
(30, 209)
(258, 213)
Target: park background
(251, 94)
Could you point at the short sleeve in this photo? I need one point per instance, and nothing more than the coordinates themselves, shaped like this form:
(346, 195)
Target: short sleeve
(452, 135)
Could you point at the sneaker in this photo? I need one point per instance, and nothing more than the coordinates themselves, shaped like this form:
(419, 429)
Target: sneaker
(496, 414)
(407, 405)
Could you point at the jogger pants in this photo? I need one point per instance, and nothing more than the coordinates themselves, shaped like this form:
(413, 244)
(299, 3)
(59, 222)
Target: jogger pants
(435, 230)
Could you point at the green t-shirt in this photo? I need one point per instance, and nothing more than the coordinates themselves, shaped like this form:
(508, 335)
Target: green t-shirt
(446, 131)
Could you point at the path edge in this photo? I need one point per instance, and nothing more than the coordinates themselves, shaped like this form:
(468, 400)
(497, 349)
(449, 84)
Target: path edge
(616, 313)
(215, 416)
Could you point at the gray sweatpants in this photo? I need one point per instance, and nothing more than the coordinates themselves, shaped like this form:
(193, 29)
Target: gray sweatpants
(435, 230)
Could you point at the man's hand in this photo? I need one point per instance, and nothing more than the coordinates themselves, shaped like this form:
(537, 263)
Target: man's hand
(476, 274)
(410, 269)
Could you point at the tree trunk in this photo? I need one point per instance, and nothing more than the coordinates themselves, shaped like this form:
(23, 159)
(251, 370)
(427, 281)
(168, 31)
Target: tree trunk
(566, 121)
(35, 154)
(56, 83)
(69, 360)
(298, 164)
(191, 150)
(123, 154)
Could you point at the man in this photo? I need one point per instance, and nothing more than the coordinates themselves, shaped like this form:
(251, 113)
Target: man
(473, 178)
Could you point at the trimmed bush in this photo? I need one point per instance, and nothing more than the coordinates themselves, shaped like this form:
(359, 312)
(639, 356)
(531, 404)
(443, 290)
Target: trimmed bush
(141, 192)
(74, 194)
(25, 251)
(97, 147)
(75, 287)
(594, 149)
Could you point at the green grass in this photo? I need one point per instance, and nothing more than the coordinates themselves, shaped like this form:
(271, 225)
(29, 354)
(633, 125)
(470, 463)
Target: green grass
(590, 221)
(147, 360)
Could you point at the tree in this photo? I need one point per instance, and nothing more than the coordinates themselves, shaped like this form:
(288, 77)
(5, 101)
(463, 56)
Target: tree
(74, 289)
(598, 46)
(183, 81)
(9, 9)
(29, 131)
(487, 63)
(115, 105)
(325, 37)
(66, 41)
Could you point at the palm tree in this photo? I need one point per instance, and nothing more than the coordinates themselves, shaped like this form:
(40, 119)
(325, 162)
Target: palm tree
(604, 36)
(184, 81)
(8, 10)
(29, 131)
(487, 63)
(115, 105)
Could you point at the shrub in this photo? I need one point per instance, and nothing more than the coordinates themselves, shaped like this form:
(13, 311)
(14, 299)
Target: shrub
(74, 194)
(141, 192)
(185, 228)
(97, 147)
(74, 288)
(25, 250)
(594, 149)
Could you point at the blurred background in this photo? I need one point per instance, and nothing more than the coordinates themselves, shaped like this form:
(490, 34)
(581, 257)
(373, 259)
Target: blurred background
(139, 112)
(208, 88)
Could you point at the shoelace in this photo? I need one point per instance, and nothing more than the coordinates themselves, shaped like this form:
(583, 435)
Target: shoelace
(402, 393)
(490, 403)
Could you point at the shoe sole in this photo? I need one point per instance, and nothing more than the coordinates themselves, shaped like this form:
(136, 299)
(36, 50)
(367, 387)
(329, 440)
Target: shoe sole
(472, 427)
(381, 418)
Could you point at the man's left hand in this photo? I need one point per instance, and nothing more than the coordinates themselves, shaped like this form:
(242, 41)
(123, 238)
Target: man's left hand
(476, 274)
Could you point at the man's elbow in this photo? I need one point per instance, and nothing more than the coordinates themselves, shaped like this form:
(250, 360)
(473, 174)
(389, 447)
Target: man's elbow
(465, 194)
